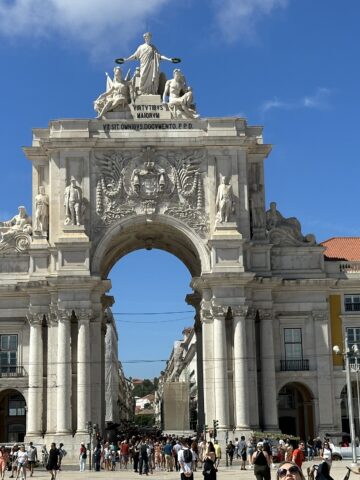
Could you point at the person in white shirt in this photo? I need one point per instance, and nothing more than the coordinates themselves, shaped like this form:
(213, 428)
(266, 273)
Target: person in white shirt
(186, 459)
(22, 458)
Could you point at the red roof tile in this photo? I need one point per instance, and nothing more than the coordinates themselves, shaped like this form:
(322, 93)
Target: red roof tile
(342, 248)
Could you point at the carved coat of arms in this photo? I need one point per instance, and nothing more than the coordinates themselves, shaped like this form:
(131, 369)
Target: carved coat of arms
(150, 181)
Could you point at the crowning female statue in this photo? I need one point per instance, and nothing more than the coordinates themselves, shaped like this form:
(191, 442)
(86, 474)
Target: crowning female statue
(149, 58)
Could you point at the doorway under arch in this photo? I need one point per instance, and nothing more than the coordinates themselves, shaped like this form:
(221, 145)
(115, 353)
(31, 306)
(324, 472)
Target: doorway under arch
(345, 424)
(12, 416)
(295, 410)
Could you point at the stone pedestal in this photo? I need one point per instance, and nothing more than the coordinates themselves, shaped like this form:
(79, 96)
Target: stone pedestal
(226, 245)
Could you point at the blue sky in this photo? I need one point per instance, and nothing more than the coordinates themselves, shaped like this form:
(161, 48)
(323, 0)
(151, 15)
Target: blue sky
(289, 65)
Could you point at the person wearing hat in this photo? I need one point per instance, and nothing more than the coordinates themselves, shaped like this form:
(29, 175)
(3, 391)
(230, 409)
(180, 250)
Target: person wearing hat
(82, 457)
(261, 462)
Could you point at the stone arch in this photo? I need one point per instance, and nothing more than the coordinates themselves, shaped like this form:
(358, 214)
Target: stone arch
(163, 232)
(344, 409)
(13, 411)
(295, 409)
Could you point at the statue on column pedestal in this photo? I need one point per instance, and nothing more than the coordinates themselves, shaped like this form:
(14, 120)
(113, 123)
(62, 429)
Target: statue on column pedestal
(41, 211)
(72, 203)
(224, 201)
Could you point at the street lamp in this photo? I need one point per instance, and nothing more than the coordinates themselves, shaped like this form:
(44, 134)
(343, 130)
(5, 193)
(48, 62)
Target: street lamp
(346, 355)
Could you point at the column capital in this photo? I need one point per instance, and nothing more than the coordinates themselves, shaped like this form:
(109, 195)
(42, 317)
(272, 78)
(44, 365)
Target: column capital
(251, 313)
(84, 315)
(320, 315)
(266, 313)
(35, 319)
(239, 310)
(64, 316)
(193, 299)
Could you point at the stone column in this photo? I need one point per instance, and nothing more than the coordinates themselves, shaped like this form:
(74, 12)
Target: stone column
(221, 388)
(35, 396)
(63, 393)
(208, 362)
(194, 300)
(83, 371)
(241, 387)
(324, 369)
(95, 369)
(268, 377)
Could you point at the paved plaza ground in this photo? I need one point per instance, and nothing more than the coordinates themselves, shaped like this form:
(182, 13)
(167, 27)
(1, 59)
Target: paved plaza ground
(338, 472)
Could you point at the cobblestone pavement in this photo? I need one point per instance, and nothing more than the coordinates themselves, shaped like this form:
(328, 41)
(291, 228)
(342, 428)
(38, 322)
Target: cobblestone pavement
(338, 472)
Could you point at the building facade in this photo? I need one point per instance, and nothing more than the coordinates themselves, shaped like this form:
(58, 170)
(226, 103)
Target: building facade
(149, 174)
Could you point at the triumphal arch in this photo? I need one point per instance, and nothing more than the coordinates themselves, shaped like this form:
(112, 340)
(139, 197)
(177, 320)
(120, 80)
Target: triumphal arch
(149, 172)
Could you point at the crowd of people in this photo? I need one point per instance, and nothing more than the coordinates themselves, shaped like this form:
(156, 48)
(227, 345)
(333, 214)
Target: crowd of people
(20, 461)
(146, 455)
(149, 454)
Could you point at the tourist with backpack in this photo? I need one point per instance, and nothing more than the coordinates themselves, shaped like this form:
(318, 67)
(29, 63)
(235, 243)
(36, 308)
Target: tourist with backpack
(186, 459)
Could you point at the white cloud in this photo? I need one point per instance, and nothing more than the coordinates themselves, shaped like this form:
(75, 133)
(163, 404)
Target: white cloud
(320, 100)
(238, 18)
(91, 23)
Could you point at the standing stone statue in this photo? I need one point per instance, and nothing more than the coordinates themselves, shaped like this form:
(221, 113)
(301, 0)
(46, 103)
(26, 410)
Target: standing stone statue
(181, 100)
(224, 201)
(257, 207)
(41, 211)
(149, 58)
(73, 203)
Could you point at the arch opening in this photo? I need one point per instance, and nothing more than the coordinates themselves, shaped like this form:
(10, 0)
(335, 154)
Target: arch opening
(168, 234)
(344, 406)
(295, 410)
(12, 416)
(152, 318)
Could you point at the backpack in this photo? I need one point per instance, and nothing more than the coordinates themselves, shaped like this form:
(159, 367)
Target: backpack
(187, 455)
(84, 456)
(143, 450)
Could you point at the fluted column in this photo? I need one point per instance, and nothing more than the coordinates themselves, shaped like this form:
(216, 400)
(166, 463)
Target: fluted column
(83, 371)
(35, 396)
(63, 393)
(241, 387)
(268, 377)
(221, 388)
(208, 363)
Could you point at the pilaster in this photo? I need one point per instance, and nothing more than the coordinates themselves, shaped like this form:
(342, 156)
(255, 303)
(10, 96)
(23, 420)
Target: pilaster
(268, 378)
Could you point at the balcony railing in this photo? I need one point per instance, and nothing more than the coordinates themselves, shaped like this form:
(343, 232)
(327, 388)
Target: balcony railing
(352, 307)
(294, 365)
(11, 371)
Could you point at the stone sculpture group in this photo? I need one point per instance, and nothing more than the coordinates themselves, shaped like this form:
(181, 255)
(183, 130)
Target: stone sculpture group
(147, 81)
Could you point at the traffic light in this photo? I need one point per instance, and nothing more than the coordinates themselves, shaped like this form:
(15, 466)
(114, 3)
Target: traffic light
(206, 428)
(216, 425)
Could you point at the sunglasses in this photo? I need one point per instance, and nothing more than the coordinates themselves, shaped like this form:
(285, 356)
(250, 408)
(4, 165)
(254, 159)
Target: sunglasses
(282, 472)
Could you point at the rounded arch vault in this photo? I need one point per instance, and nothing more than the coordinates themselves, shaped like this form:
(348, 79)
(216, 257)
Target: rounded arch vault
(162, 232)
